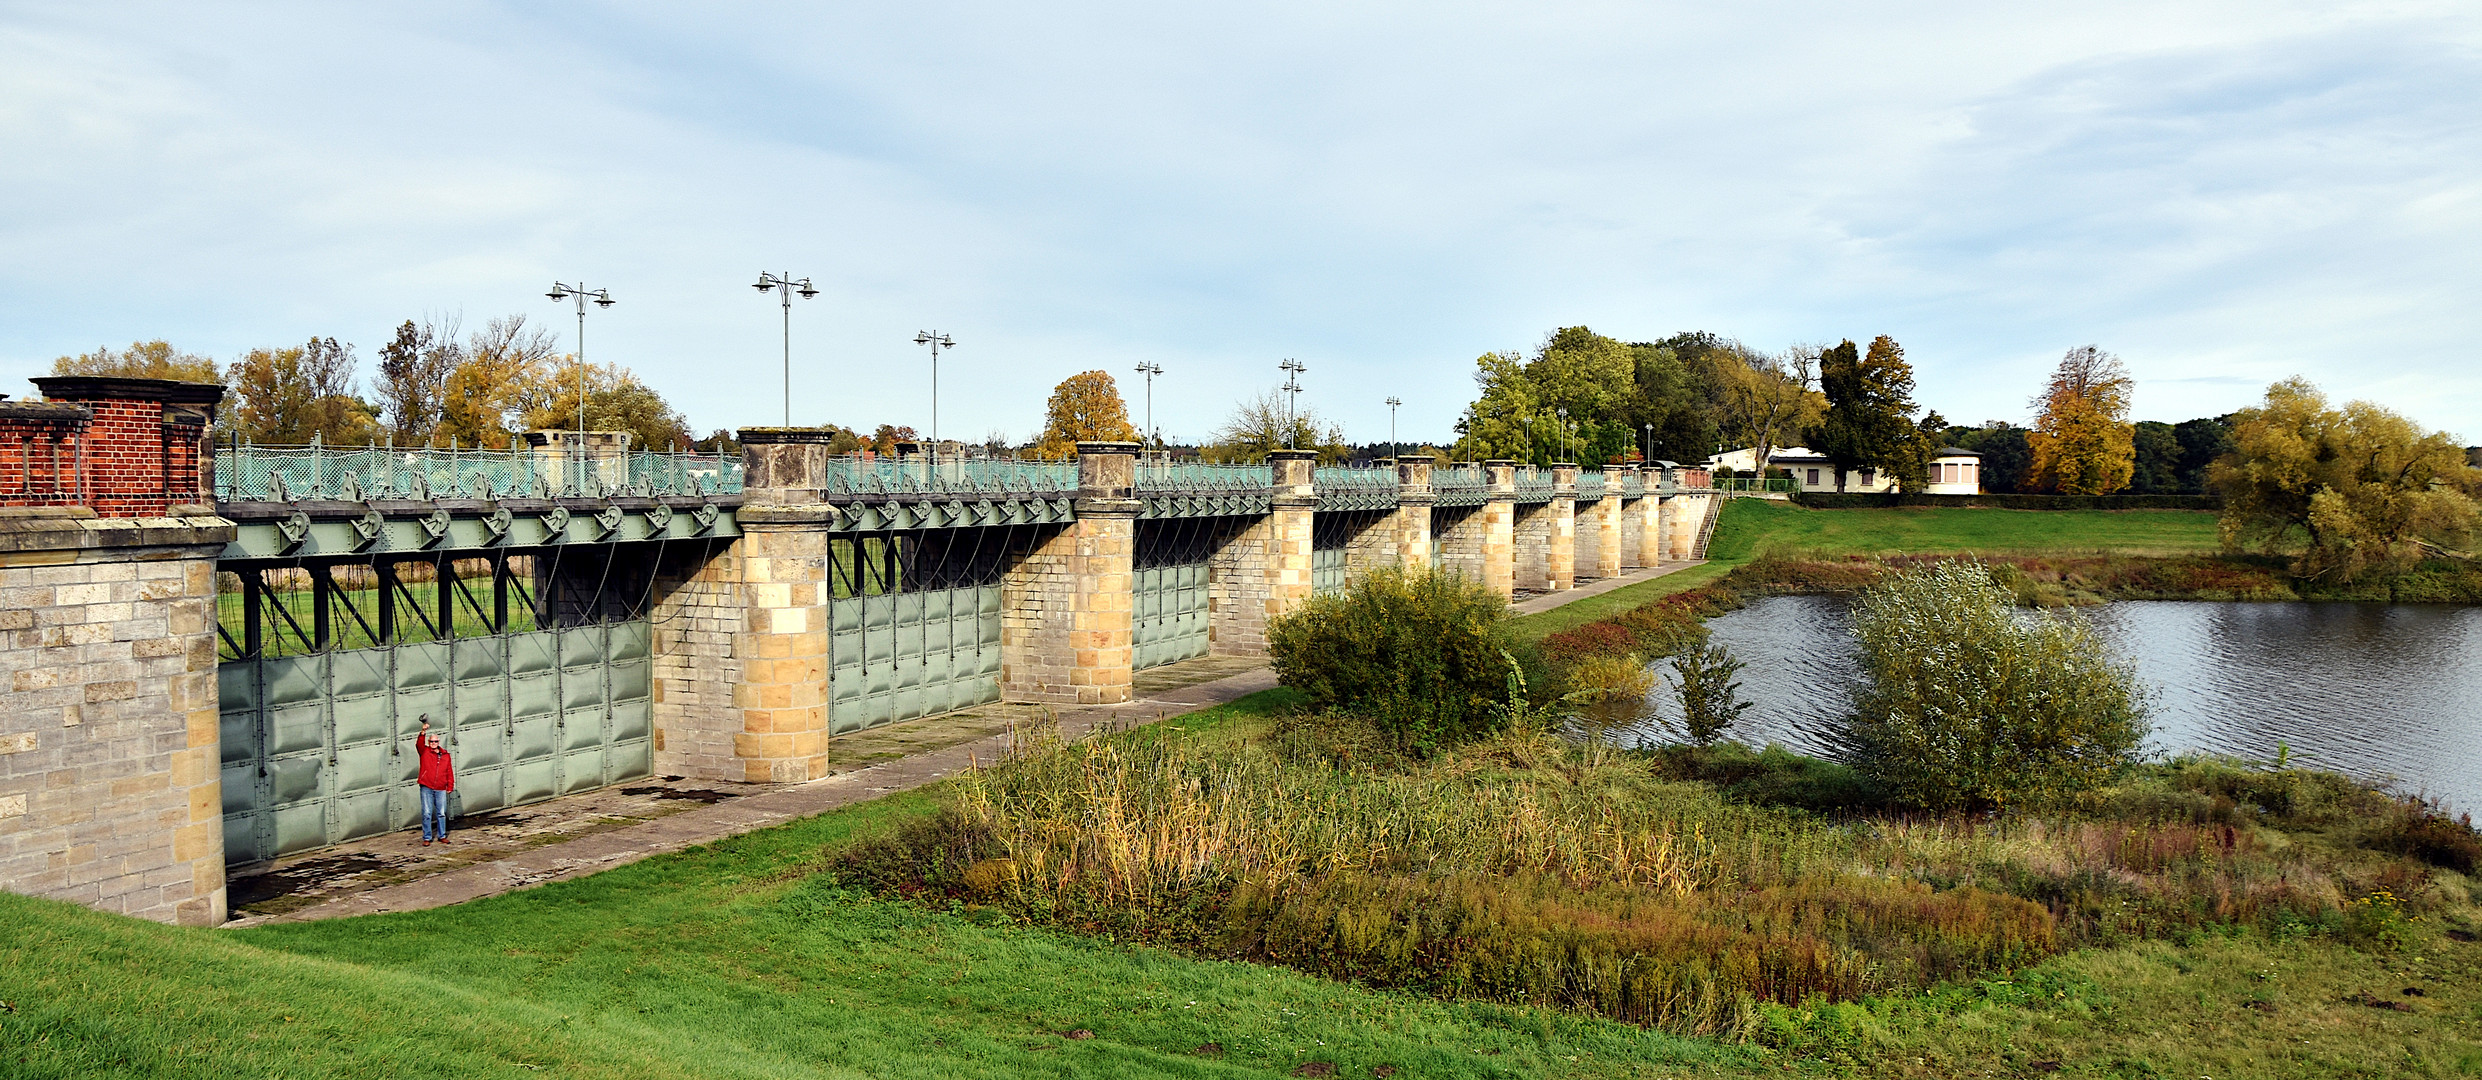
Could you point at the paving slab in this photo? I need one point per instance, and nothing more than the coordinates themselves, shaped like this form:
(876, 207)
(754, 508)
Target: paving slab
(1535, 603)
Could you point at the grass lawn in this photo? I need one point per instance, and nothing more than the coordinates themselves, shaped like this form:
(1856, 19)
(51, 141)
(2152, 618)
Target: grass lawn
(730, 960)
(1750, 527)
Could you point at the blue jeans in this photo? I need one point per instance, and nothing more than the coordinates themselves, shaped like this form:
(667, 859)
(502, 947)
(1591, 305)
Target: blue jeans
(434, 813)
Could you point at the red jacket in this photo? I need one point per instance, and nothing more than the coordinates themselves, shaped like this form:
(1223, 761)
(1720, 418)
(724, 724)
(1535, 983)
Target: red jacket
(436, 772)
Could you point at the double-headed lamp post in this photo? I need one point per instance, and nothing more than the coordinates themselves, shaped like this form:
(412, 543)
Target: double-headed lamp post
(1292, 389)
(602, 298)
(1393, 402)
(1150, 369)
(937, 342)
(786, 285)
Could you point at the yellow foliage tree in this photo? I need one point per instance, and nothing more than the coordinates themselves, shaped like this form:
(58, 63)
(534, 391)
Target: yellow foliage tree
(2083, 443)
(1085, 407)
(141, 360)
(2366, 488)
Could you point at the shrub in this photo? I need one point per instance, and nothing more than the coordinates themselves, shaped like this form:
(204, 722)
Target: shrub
(1965, 704)
(1710, 699)
(1420, 653)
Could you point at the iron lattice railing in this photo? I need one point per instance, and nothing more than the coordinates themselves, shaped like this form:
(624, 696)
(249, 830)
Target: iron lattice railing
(1354, 489)
(1459, 486)
(1002, 478)
(1533, 485)
(1632, 484)
(1159, 478)
(1591, 485)
(294, 473)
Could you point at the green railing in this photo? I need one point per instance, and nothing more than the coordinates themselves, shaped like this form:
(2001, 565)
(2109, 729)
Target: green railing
(1459, 486)
(1157, 477)
(1592, 485)
(1534, 485)
(1632, 484)
(856, 476)
(293, 473)
(1349, 488)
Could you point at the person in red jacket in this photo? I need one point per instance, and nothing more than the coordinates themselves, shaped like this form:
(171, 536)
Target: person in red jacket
(437, 778)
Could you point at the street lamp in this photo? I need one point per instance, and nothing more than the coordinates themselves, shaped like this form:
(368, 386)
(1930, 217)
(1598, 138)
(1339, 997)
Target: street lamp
(936, 342)
(1393, 402)
(786, 286)
(1292, 388)
(602, 298)
(1647, 456)
(1150, 369)
(1560, 427)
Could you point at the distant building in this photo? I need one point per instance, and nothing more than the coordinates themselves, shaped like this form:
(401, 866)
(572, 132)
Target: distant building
(1953, 471)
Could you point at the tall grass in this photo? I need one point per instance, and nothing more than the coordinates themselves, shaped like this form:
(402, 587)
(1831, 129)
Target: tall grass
(1525, 869)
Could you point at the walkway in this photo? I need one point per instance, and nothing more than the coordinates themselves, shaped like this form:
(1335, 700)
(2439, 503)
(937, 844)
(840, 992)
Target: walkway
(506, 850)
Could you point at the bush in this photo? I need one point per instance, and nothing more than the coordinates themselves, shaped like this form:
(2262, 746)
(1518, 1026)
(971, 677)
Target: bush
(1965, 704)
(1422, 654)
(1710, 699)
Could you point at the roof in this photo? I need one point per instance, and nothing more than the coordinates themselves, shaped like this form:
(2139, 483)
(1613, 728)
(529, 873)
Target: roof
(1954, 451)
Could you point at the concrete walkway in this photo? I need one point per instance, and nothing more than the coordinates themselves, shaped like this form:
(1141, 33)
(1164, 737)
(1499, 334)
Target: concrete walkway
(1538, 604)
(506, 850)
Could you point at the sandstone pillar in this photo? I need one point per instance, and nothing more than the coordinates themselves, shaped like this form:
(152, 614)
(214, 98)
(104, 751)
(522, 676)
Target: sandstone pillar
(1413, 511)
(1598, 535)
(1482, 544)
(779, 714)
(1066, 606)
(1647, 514)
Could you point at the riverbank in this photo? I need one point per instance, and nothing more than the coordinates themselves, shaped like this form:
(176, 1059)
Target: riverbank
(743, 958)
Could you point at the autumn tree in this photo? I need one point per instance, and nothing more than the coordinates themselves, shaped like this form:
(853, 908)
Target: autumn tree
(1768, 399)
(1085, 407)
(288, 396)
(2346, 491)
(500, 378)
(413, 376)
(1869, 418)
(141, 360)
(616, 400)
(2083, 443)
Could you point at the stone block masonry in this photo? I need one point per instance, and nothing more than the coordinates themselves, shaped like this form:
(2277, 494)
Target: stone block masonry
(110, 792)
(698, 623)
(1065, 630)
(1263, 571)
(1481, 543)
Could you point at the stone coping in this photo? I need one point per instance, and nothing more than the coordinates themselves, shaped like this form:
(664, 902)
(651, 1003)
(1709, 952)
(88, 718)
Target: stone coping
(55, 532)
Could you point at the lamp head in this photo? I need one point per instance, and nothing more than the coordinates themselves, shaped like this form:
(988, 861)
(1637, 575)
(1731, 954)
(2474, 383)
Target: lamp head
(764, 283)
(807, 292)
(602, 300)
(558, 293)
(922, 337)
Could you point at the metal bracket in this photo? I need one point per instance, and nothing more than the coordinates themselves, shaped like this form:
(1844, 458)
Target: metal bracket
(350, 490)
(295, 528)
(610, 518)
(276, 491)
(498, 522)
(659, 518)
(420, 489)
(369, 527)
(434, 525)
(704, 514)
(556, 522)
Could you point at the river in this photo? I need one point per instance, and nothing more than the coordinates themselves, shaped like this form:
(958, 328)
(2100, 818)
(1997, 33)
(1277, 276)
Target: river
(2378, 691)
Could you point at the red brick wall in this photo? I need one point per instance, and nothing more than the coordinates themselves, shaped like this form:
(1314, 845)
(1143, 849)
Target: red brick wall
(118, 446)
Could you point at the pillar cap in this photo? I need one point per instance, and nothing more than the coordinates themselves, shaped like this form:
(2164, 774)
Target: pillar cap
(1109, 446)
(770, 436)
(112, 387)
(1292, 455)
(1417, 459)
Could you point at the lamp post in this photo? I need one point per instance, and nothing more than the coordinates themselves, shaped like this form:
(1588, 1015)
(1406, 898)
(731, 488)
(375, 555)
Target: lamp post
(602, 298)
(1150, 370)
(1393, 402)
(936, 342)
(1646, 457)
(1292, 390)
(786, 286)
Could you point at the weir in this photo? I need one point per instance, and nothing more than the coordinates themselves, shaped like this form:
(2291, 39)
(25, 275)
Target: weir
(219, 655)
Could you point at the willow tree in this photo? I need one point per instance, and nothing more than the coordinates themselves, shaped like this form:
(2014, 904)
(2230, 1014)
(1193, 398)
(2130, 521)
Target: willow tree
(1085, 407)
(2083, 443)
(2345, 491)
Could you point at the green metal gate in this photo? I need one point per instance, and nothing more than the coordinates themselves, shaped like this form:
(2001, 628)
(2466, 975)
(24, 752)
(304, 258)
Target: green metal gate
(897, 656)
(318, 748)
(1168, 615)
(1326, 569)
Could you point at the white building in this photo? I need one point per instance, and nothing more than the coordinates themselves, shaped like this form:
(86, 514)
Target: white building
(1952, 471)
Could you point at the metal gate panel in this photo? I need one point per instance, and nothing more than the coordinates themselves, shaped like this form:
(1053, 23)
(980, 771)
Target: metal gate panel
(1326, 569)
(314, 746)
(896, 657)
(1168, 615)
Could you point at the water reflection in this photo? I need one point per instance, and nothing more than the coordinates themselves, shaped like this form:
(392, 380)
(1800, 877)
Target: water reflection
(2375, 690)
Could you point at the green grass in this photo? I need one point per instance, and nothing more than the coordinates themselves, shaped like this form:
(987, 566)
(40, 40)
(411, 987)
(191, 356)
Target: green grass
(729, 961)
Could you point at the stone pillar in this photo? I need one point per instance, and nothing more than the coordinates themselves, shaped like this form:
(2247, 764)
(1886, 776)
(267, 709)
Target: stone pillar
(110, 779)
(1647, 514)
(1598, 535)
(1482, 544)
(1065, 607)
(1546, 538)
(1413, 511)
(600, 456)
(699, 620)
(781, 566)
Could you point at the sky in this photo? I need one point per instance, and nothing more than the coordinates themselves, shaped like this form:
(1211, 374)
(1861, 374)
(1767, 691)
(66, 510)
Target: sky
(2223, 194)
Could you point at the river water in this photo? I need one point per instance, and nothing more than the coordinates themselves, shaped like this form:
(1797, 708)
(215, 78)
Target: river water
(2379, 691)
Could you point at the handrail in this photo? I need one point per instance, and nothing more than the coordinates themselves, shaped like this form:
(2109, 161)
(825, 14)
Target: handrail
(255, 473)
(1349, 488)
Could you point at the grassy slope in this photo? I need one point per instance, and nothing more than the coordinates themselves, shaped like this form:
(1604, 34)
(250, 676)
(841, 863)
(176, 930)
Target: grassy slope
(1749, 527)
(725, 962)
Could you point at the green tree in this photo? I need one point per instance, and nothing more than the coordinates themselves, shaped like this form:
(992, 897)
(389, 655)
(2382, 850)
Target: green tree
(2202, 441)
(1966, 703)
(2083, 443)
(2346, 491)
(413, 377)
(1710, 696)
(1672, 412)
(2004, 454)
(1085, 407)
(1869, 419)
(289, 396)
(2157, 467)
(1766, 400)
(141, 360)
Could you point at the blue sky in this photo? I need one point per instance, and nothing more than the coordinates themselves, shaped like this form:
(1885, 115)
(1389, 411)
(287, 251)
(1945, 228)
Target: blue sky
(2223, 194)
